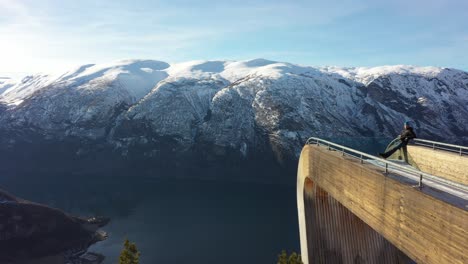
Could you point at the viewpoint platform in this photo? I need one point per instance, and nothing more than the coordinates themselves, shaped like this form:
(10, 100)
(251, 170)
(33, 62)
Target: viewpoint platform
(357, 208)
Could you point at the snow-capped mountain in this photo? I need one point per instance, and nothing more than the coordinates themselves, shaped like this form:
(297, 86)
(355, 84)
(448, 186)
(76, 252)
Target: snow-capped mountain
(223, 108)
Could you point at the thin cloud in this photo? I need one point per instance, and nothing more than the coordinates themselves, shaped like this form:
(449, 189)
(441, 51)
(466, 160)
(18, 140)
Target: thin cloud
(47, 34)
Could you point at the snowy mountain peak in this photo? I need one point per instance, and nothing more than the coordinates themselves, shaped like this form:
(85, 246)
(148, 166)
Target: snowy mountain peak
(368, 74)
(218, 109)
(142, 84)
(138, 77)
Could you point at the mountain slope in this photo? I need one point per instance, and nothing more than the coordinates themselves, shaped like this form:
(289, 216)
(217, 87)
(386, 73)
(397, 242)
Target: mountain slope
(227, 110)
(31, 231)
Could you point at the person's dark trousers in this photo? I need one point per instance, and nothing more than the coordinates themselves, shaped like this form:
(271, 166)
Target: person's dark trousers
(393, 150)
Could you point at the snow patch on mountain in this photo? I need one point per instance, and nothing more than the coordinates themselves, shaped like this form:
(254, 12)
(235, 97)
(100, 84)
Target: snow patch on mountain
(366, 75)
(15, 93)
(5, 83)
(136, 77)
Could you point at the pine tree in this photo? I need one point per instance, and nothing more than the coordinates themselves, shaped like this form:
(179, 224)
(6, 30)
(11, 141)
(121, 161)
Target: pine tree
(283, 258)
(294, 258)
(129, 254)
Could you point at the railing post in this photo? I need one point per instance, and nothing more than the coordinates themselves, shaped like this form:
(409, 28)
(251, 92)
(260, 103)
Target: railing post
(342, 152)
(386, 167)
(433, 146)
(420, 181)
(362, 161)
(461, 152)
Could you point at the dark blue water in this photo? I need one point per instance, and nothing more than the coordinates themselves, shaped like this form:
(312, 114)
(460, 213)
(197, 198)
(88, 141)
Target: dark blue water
(182, 221)
(177, 221)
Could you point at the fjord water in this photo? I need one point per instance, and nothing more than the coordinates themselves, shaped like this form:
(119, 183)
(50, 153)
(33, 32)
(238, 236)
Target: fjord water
(178, 221)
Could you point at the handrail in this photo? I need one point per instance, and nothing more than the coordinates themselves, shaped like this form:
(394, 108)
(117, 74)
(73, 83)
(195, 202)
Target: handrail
(436, 145)
(360, 155)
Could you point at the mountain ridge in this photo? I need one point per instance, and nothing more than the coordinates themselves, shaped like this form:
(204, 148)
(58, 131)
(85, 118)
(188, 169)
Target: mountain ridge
(236, 110)
(227, 69)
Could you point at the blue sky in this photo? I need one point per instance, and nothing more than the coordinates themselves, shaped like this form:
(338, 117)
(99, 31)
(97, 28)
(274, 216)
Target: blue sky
(53, 35)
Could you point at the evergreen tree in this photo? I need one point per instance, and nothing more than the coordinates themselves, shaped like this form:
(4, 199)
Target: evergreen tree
(283, 258)
(129, 254)
(294, 258)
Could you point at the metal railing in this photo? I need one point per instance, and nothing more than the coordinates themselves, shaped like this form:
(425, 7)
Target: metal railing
(387, 164)
(462, 150)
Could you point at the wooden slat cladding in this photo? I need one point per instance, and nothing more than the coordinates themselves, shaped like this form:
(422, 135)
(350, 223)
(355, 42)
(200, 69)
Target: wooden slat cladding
(426, 229)
(336, 235)
(448, 165)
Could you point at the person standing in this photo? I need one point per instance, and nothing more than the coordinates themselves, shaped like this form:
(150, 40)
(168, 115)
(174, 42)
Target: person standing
(406, 135)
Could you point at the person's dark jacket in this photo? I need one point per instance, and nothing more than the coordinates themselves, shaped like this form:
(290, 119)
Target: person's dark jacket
(407, 134)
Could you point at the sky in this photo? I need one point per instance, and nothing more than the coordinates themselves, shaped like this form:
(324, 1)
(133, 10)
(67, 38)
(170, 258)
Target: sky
(55, 35)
